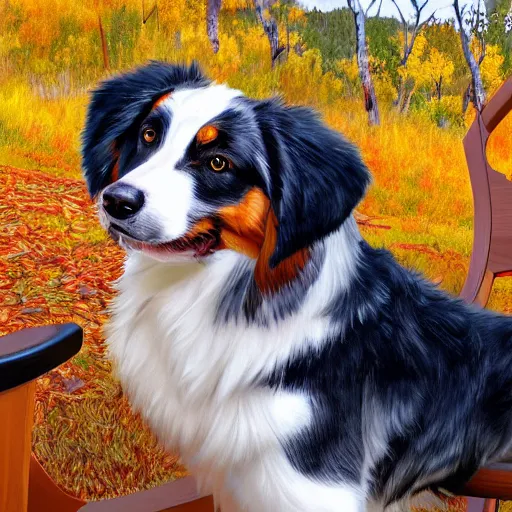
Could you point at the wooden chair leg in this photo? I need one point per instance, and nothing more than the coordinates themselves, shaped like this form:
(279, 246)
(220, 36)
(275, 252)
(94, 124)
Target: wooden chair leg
(490, 505)
(484, 292)
(45, 496)
(17, 413)
(482, 505)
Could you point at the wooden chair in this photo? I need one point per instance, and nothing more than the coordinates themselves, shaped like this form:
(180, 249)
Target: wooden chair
(492, 252)
(492, 199)
(29, 353)
(25, 486)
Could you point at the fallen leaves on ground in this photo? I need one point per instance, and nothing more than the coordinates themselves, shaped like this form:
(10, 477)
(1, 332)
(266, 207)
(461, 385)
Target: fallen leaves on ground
(56, 266)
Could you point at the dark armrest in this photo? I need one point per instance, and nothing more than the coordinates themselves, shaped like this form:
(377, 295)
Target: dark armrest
(27, 354)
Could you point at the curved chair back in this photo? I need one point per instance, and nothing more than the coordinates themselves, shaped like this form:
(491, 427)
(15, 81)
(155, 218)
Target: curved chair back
(492, 198)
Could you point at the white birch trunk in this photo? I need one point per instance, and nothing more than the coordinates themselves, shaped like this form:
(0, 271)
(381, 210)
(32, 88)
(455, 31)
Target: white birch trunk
(478, 91)
(370, 99)
(212, 23)
(270, 28)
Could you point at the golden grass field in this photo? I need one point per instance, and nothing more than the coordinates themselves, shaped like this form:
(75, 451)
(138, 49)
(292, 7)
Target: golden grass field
(56, 263)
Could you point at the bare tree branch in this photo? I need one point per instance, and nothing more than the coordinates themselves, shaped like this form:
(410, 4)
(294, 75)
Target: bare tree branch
(271, 30)
(378, 10)
(151, 12)
(405, 28)
(410, 33)
(372, 3)
(400, 13)
(478, 90)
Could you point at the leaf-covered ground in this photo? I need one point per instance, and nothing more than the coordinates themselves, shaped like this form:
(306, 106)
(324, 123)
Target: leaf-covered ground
(56, 265)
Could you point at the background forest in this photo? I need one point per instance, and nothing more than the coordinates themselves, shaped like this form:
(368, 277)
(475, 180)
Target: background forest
(404, 89)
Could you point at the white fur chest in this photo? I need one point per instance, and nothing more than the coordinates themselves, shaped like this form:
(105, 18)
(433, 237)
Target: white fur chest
(193, 378)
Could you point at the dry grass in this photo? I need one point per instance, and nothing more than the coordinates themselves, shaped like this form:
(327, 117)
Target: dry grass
(56, 265)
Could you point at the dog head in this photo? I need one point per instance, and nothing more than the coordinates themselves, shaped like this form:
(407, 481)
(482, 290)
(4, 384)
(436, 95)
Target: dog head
(182, 167)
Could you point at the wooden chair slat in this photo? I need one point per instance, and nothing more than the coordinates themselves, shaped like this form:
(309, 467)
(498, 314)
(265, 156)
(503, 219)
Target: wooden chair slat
(17, 413)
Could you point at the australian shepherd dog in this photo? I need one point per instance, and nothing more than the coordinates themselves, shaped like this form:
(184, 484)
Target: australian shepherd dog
(293, 366)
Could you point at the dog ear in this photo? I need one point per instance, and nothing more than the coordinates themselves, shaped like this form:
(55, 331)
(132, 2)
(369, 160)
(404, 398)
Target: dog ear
(314, 176)
(117, 105)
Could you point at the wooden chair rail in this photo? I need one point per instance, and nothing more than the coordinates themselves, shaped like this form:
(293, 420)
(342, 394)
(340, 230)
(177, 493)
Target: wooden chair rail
(493, 481)
(178, 496)
(491, 256)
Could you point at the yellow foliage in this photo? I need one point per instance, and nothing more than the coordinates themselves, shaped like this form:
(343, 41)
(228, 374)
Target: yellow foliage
(235, 5)
(490, 69)
(384, 88)
(349, 68)
(448, 109)
(297, 15)
(350, 71)
(414, 70)
(499, 150)
(28, 121)
(171, 13)
(438, 65)
(303, 82)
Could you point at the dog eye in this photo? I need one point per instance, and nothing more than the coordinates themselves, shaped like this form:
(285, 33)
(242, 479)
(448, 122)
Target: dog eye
(149, 135)
(218, 163)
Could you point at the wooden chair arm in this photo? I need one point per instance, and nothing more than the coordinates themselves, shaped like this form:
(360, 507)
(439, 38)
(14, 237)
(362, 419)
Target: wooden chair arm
(178, 496)
(27, 354)
(493, 481)
(498, 107)
(24, 356)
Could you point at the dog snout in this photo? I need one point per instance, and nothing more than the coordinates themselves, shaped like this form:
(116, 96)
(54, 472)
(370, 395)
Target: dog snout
(122, 201)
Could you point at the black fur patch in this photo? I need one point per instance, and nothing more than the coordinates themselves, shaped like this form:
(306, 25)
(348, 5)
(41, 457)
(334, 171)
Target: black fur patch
(242, 299)
(315, 177)
(240, 142)
(411, 367)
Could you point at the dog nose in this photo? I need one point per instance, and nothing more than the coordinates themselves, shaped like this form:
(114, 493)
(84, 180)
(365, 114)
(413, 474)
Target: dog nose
(122, 201)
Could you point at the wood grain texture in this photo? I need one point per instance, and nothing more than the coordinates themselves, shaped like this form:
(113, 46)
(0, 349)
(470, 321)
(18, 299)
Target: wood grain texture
(494, 481)
(492, 200)
(17, 413)
(178, 496)
(45, 496)
(482, 227)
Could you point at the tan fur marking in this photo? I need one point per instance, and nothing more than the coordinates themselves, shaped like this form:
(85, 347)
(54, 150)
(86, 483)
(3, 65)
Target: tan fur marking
(251, 229)
(114, 176)
(160, 100)
(207, 134)
(115, 172)
(271, 280)
(243, 224)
